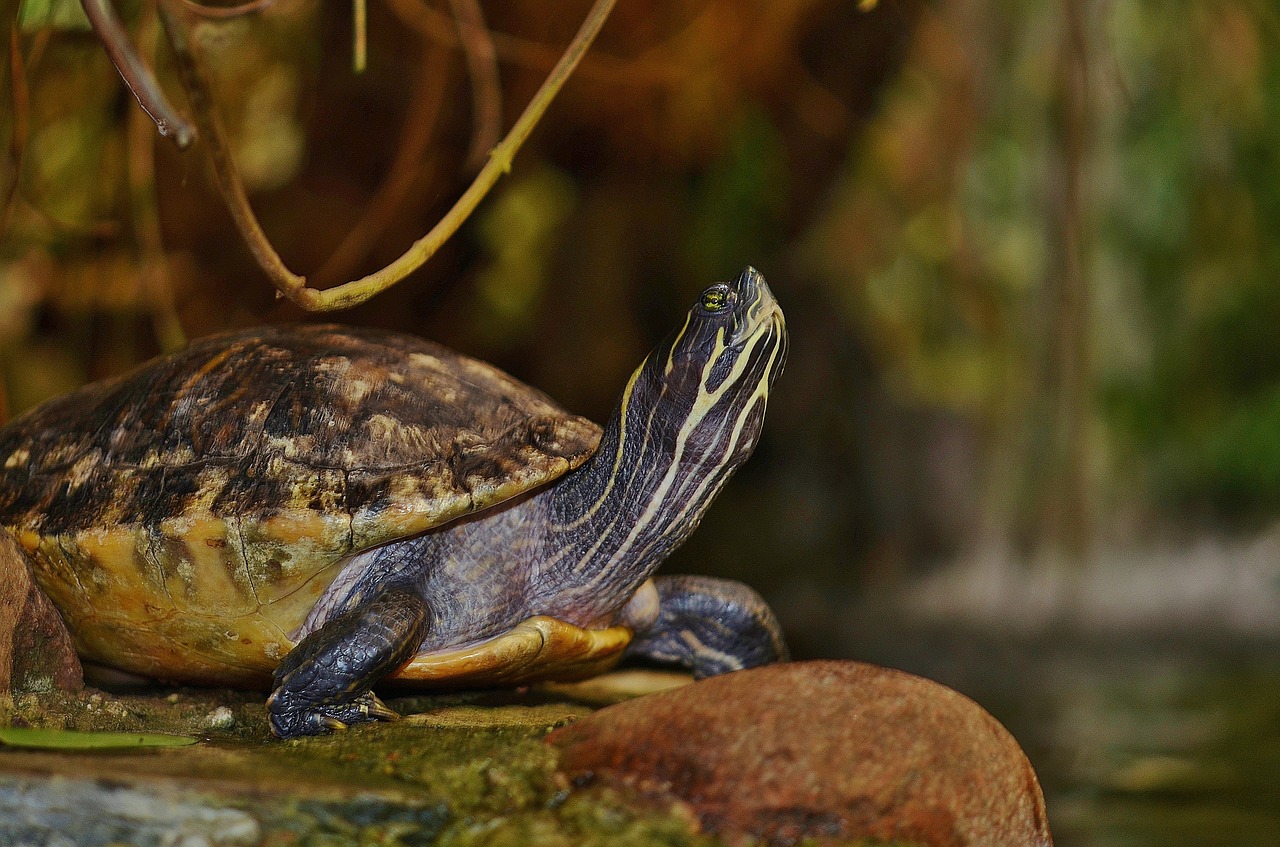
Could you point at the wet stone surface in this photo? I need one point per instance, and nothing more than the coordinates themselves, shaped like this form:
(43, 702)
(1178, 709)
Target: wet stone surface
(467, 769)
(39, 811)
(476, 769)
(821, 750)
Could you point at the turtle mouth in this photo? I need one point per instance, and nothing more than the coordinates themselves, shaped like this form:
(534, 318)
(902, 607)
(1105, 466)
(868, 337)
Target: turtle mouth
(761, 312)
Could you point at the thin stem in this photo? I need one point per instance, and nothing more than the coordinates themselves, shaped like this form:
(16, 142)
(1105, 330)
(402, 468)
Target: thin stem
(407, 169)
(359, 35)
(656, 66)
(228, 178)
(353, 293)
(137, 76)
(225, 12)
(357, 291)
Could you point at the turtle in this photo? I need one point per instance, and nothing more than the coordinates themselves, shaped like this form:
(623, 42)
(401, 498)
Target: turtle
(315, 509)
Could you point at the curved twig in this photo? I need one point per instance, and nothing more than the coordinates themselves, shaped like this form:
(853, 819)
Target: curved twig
(357, 291)
(654, 66)
(136, 75)
(405, 171)
(226, 12)
(215, 139)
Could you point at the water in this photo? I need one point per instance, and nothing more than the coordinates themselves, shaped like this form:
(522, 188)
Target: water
(1138, 742)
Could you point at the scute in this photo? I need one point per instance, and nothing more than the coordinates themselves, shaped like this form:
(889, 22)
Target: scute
(223, 483)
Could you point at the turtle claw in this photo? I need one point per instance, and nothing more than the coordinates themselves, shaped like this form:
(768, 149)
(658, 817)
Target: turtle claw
(375, 709)
(292, 719)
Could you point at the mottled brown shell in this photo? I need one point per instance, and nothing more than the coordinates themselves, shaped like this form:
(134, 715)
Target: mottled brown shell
(208, 495)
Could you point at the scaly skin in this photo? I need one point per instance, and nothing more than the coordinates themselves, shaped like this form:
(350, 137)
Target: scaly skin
(580, 549)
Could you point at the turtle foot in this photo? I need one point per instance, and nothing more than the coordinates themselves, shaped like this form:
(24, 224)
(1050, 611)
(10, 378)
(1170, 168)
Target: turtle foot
(324, 683)
(710, 626)
(294, 719)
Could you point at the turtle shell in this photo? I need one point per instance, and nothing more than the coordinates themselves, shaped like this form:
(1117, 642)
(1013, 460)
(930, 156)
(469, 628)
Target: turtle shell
(184, 517)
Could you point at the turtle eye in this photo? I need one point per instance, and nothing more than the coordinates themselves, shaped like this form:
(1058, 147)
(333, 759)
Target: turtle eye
(715, 299)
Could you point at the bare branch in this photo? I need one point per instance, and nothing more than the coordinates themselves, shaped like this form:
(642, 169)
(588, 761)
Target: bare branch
(406, 171)
(196, 83)
(653, 67)
(359, 35)
(136, 75)
(226, 12)
(357, 291)
(353, 293)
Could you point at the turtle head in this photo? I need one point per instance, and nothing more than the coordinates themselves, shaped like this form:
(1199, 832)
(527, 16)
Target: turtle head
(689, 416)
(702, 392)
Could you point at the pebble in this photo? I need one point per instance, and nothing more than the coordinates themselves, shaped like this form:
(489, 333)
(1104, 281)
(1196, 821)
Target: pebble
(220, 718)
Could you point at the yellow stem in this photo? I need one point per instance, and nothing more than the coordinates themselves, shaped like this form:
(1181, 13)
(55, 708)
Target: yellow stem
(357, 291)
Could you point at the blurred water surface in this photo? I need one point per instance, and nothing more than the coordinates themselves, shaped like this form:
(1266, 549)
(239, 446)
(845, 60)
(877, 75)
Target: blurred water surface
(1138, 742)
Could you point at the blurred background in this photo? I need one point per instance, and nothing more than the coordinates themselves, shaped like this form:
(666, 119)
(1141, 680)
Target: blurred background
(1028, 440)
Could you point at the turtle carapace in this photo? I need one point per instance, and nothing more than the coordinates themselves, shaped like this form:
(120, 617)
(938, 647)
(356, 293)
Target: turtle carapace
(318, 508)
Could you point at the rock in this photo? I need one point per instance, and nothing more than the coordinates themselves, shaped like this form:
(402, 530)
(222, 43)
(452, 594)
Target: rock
(35, 648)
(834, 750)
(220, 718)
(101, 813)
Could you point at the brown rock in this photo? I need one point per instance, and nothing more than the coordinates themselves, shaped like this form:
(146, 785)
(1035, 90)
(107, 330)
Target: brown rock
(35, 647)
(820, 750)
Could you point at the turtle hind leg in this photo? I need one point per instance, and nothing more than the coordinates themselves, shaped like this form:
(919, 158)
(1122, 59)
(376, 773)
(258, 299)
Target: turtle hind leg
(326, 681)
(711, 626)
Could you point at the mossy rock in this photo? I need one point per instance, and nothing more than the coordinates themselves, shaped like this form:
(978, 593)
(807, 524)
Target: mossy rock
(458, 770)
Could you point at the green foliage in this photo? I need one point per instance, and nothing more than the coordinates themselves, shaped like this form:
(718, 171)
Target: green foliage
(518, 233)
(58, 14)
(1195, 212)
(67, 739)
(946, 241)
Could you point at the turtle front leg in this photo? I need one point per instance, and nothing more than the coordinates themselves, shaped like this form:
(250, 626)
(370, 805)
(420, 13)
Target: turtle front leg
(326, 681)
(711, 626)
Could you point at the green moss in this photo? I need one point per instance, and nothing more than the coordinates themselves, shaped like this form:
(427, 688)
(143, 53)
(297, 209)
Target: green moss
(460, 771)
